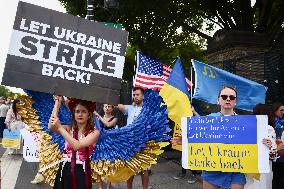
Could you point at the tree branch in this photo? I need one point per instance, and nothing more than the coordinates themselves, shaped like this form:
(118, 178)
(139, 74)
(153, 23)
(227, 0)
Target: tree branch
(221, 20)
(225, 11)
(194, 30)
(225, 22)
(265, 7)
(217, 23)
(278, 39)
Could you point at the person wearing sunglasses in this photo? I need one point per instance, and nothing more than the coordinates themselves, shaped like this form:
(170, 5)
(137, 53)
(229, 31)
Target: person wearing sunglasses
(227, 99)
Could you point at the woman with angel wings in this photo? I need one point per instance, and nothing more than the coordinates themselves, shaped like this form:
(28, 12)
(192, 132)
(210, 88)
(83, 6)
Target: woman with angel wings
(80, 139)
(74, 152)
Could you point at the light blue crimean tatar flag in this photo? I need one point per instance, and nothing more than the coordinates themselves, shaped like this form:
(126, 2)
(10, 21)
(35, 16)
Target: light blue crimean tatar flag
(209, 80)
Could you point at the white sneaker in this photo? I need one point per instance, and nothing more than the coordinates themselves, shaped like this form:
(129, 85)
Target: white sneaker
(38, 179)
(192, 179)
(11, 152)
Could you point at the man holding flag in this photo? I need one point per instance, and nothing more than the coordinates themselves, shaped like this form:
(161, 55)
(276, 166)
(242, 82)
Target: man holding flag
(153, 74)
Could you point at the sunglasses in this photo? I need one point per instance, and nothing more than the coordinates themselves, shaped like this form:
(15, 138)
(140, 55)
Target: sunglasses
(225, 97)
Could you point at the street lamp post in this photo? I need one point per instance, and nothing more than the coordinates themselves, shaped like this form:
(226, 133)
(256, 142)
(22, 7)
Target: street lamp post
(90, 10)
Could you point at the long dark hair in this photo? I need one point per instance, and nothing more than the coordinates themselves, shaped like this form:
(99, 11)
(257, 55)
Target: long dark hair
(262, 109)
(14, 107)
(112, 113)
(90, 123)
(275, 108)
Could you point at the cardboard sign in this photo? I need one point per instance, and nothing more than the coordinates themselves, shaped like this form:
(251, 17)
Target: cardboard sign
(177, 131)
(58, 53)
(30, 155)
(30, 145)
(225, 143)
(11, 139)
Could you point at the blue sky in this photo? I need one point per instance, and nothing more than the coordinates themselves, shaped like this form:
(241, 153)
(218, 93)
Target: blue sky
(7, 15)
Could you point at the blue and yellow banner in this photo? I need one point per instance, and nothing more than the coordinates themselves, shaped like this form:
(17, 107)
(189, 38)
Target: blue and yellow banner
(209, 80)
(227, 143)
(11, 139)
(176, 97)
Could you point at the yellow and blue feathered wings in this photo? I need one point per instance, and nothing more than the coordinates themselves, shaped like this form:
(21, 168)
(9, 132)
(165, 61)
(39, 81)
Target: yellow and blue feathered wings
(36, 109)
(119, 153)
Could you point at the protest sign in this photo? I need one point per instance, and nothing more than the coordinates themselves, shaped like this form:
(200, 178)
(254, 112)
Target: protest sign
(225, 143)
(58, 53)
(30, 145)
(11, 139)
(30, 154)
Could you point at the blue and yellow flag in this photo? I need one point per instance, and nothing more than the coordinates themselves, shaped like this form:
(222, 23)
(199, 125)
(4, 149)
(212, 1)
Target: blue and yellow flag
(11, 139)
(209, 80)
(176, 96)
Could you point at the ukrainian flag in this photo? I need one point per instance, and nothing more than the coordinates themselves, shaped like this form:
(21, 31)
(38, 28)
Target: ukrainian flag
(176, 96)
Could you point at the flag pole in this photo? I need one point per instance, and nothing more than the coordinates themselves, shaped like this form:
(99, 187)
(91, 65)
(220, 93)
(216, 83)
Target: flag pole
(90, 10)
(133, 78)
(135, 68)
(191, 71)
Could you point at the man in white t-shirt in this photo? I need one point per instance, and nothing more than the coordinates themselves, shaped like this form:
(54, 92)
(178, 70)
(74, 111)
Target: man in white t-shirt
(132, 112)
(3, 113)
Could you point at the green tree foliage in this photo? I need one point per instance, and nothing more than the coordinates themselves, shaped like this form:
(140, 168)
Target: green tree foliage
(265, 16)
(4, 91)
(153, 24)
(153, 28)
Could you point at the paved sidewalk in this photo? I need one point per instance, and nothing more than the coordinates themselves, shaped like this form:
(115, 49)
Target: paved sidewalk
(162, 178)
(10, 167)
(18, 173)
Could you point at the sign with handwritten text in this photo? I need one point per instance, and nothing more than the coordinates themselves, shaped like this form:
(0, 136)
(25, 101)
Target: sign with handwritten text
(225, 143)
(177, 131)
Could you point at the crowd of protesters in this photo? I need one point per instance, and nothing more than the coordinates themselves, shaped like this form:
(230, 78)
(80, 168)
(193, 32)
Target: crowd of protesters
(86, 138)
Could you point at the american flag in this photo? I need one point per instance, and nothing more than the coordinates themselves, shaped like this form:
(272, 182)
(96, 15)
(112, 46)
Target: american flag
(152, 74)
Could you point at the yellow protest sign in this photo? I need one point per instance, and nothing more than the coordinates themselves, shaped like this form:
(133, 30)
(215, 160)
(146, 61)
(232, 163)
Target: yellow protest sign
(225, 157)
(225, 143)
(11, 139)
(177, 131)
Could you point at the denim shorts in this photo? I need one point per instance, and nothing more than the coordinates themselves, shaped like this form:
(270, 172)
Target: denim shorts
(224, 179)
